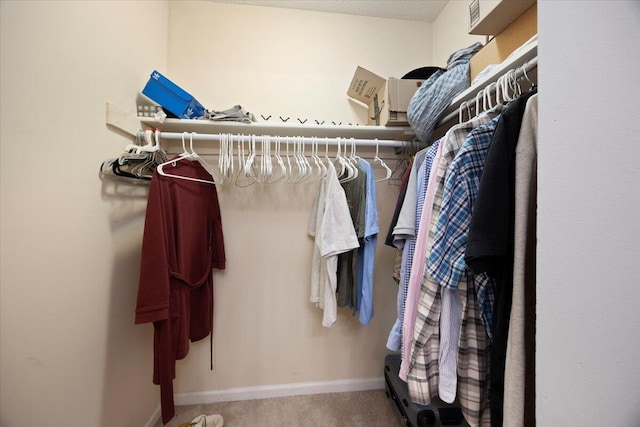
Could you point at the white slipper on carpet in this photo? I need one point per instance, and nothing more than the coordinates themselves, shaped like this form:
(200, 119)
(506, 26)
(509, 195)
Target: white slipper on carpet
(213, 420)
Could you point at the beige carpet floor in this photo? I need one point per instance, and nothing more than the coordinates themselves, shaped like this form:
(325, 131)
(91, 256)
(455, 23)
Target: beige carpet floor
(351, 409)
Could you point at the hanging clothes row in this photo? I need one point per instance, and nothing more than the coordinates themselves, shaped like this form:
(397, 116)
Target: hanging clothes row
(461, 339)
(344, 227)
(183, 238)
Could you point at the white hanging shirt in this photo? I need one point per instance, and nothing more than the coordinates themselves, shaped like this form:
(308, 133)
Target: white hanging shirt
(333, 231)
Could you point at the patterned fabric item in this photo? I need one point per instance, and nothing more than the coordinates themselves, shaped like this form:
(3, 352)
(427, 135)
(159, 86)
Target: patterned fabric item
(461, 185)
(473, 360)
(446, 266)
(435, 95)
(394, 340)
(446, 262)
(410, 243)
(397, 263)
(417, 269)
(486, 294)
(451, 232)
(423, 376)
(402, 233)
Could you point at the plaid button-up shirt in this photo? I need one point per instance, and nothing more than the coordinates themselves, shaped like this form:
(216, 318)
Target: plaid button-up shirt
(446, 261)
(410, 244)
(423, 378)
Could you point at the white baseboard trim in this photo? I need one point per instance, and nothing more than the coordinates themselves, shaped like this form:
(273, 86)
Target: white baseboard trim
(279, 390)
(155, 417)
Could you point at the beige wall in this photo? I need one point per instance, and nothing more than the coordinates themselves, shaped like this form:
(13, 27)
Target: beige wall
(451, 31)
(285, 62)
(294, 63)
(70, 249)
(70, 354)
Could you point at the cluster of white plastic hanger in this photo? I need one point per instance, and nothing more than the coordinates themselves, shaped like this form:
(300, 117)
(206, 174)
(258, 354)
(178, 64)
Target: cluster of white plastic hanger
(249, 159)
(507, 88)
(137, 163)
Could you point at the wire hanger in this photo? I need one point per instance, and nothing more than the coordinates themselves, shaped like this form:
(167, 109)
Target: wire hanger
(242, 161)
(225, 159)
(478, 98)
(509, 89)
(150, 146)
(306, 161)
(486, 97)
(322, 169)
(191, 156)
(345, 164)
(300, 162)
(353, 158)
(290, 168)
(280, 162)
(401, 166)
(133, 148)
(524, 73)
(138, 162)
(466, 107)
(515, 86)
(293, 175)
(460, 117)
(265, 160)
(327, 159)
(383, 164)
(499, 101)
(200, 160)
(250, 167)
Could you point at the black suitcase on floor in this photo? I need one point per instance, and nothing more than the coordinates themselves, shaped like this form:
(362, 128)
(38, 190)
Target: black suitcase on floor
(436, 414)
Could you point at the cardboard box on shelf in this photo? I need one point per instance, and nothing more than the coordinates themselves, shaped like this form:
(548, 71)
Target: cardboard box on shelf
(387, 99)
(503, 44)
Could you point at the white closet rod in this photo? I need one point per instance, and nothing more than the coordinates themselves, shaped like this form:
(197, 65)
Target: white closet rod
(283, 139)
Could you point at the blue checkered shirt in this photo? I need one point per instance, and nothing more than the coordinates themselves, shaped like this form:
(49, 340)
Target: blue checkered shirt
(446, 262)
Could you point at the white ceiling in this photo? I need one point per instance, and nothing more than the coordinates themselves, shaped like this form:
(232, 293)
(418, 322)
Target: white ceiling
(412, 10)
